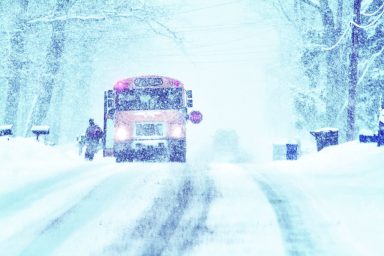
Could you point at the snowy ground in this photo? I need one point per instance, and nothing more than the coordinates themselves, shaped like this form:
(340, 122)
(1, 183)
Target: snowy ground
(54, 203)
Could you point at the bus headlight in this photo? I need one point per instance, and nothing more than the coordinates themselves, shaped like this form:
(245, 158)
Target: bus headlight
(121, 133)
(177, 131)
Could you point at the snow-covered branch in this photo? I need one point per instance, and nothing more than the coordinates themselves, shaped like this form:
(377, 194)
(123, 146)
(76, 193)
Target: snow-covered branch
(370, 24)
(347, 30)
(100, 17)
(312, 3)
(280, 6)
(344, 35)
(373, 13)
(164, 27)
(369, 63)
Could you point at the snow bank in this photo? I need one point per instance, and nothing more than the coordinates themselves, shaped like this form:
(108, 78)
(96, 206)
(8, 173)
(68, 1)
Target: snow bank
(346, 158)
(344, 185)
(25, 159)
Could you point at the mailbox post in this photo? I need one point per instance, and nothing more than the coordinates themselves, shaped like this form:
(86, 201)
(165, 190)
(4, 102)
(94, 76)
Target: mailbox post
(40, 130)
(326, 137)
(6, 130)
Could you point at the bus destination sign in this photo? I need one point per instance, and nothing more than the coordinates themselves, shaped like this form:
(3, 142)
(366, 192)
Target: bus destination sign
(148, 81)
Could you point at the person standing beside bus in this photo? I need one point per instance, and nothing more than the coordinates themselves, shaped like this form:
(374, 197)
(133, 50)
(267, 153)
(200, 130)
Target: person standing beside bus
(93, 134)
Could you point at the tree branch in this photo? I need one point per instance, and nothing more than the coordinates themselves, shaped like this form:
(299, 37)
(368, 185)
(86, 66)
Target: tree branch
(168, 30)
(369, 63)
(311, 3)
(101, 17)
(284, 12)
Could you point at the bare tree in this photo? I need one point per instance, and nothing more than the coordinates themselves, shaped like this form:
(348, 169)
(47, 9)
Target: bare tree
(53, 58)
(108, 15)
(17, 63)
(321, 27)
(353, 73)
(59, 25)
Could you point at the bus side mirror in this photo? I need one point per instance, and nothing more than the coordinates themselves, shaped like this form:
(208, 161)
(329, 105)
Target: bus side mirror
(189, 98)
(109, 103)
(190, 103)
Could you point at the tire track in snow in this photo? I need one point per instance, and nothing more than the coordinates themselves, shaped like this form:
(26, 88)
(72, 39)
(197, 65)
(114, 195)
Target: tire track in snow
(297, 239)
(193, 224)
(167, 228)
(172, 225)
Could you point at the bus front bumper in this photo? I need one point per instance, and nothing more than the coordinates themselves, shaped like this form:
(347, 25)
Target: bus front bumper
(147, 150)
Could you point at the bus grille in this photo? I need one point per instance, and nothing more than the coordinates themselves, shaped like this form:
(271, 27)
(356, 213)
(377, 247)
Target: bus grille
(149, 129)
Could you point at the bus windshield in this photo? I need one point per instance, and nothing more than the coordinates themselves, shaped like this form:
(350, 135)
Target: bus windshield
(150, 99)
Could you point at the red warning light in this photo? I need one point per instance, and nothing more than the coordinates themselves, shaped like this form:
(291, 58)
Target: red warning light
(121, 85)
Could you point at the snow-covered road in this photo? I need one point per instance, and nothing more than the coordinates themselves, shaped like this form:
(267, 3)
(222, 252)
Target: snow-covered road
(70, 207)
(138, 209)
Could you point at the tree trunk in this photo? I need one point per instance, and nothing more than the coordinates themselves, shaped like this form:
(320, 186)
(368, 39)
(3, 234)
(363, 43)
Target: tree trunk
(332, 86)
(339, 18)
(353, 73)
(17, 62)
(53, 58)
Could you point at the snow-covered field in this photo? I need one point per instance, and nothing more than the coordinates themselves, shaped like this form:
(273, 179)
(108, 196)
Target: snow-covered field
(52, 202)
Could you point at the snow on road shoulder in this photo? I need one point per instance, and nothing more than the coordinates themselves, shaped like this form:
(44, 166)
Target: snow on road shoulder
(23, 222)
(344, 185)
(344, 159)
(25, 160)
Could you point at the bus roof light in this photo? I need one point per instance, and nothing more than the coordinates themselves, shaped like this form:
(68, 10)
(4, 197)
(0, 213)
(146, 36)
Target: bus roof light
(119, 86)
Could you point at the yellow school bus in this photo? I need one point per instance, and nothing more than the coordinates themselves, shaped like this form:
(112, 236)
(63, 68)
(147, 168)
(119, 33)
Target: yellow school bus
(148, 116)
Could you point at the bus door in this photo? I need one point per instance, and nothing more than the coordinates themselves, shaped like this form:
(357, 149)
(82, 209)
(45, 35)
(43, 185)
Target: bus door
(109, 116)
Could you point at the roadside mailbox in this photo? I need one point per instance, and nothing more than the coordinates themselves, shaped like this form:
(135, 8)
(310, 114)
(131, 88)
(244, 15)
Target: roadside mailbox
(40, 130)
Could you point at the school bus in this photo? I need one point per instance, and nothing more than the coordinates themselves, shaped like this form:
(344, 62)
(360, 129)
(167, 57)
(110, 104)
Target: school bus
(145, 117)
